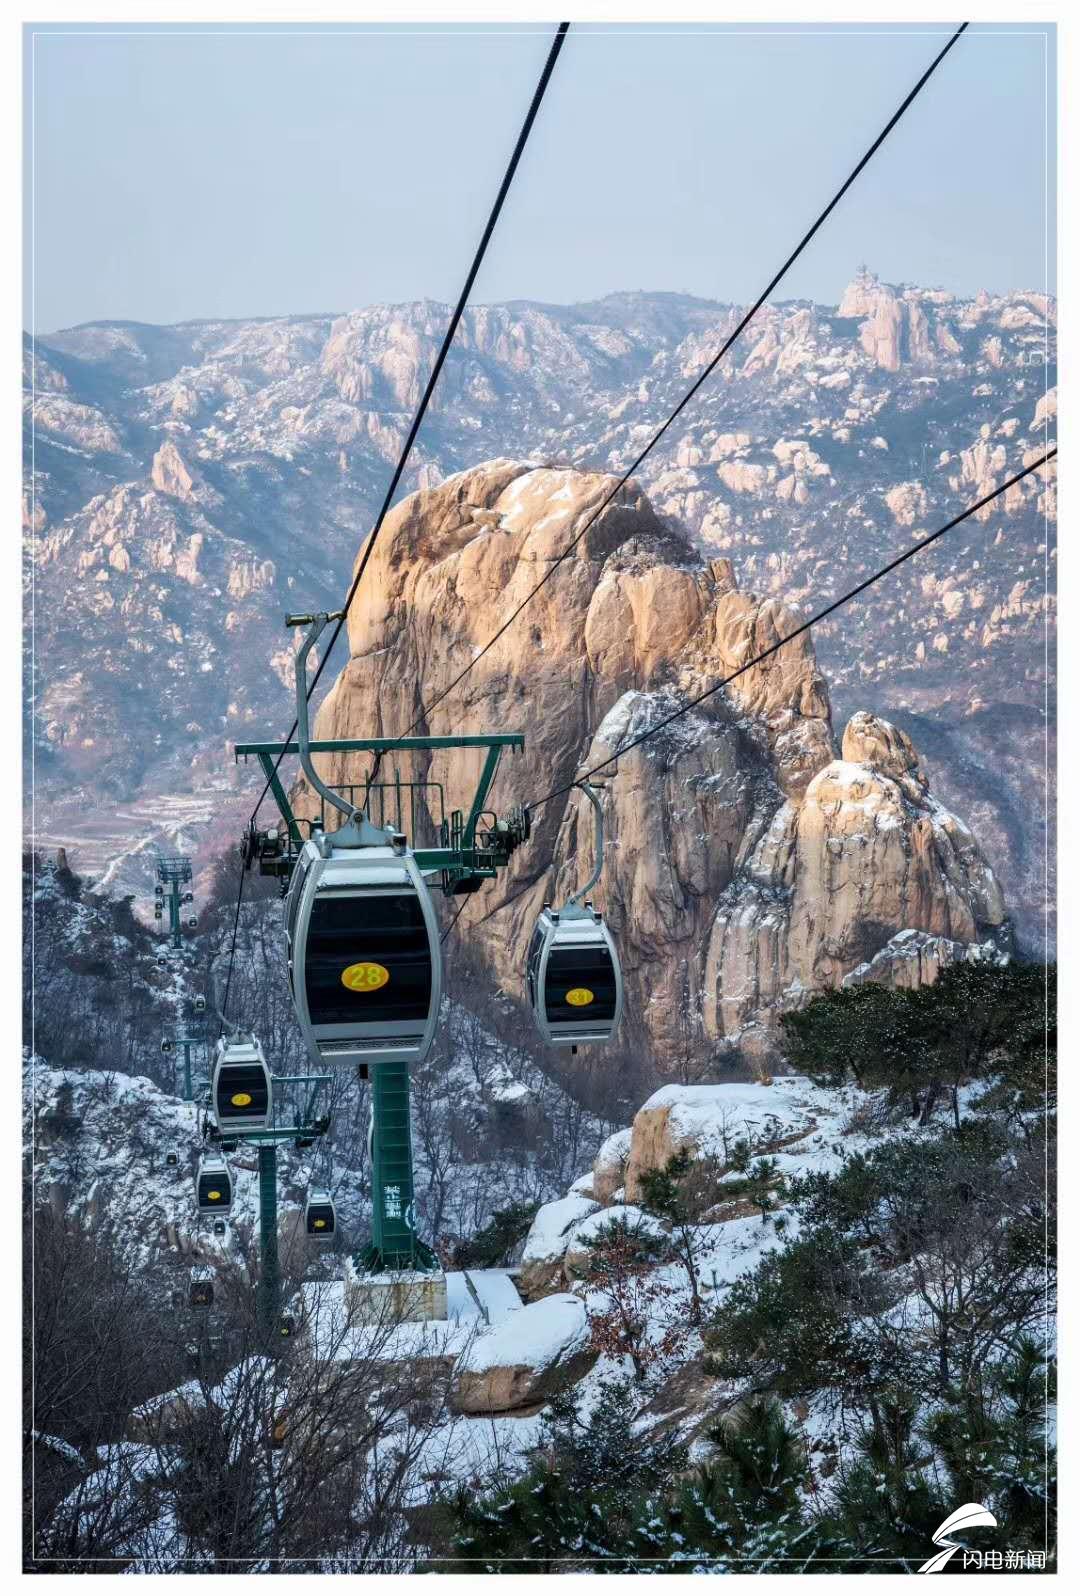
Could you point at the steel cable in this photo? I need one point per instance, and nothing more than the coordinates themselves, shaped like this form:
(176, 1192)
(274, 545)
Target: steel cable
(426, 710)
(425, 401)
(830, 609)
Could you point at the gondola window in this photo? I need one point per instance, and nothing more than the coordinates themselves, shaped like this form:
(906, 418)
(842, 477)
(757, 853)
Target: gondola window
(350, 940)
(578, 979)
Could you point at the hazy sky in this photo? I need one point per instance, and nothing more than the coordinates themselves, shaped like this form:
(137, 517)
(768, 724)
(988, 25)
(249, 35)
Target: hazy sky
(244, 172)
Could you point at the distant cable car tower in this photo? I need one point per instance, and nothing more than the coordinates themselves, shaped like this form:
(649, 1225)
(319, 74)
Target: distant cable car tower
(173, 876)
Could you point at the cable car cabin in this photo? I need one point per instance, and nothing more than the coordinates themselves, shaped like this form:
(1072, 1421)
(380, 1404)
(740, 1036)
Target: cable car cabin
(241, 1086)
(172, 1159)
(320, 1217)
(200, 1005)
(213, 1186)
(220, 1227)
(573, 975)
(201, 1291)
(365, 963)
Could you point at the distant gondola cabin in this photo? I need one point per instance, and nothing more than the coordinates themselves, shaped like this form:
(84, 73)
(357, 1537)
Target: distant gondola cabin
(214, 1187)
(242, 1091)
(573, 977)
(201, 1294)
(320, 1218)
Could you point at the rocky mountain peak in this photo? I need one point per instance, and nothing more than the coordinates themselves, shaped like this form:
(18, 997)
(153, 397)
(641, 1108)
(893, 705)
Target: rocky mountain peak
(870, 740)
(170, 474)
(745, 864)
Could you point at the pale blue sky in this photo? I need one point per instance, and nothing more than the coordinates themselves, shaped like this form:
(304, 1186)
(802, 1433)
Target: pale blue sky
(249, 173)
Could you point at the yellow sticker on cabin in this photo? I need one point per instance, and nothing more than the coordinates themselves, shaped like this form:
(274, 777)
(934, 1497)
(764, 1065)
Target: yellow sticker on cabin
(580, 996)
(240, 1099)
(214, 1196)
(320, 1224)
(365, 977)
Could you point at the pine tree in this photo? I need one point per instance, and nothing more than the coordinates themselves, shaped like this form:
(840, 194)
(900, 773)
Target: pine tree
(492, 1245)
(742, 1512)
(578, 1504)
(991, 1437)
(885, 1504)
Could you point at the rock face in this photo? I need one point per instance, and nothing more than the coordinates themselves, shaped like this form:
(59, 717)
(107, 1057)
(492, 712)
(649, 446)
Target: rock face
(780, 1119)
(609, 1166)
(546, 1243)
(708, 1122)
(540, 1349)
(745, 865)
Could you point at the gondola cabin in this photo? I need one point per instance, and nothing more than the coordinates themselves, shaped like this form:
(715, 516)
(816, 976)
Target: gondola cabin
(213, 1186)
(220, 1227)
(172, 1158)
(200, 1005)
(241, 1086)
(320, 1218)
(201, 1289)
(573, 976)
(365, 963)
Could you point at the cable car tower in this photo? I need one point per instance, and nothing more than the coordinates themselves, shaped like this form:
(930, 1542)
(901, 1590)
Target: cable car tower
(247, 1103)
(191, 1040)
(365, 954)
(173, 877)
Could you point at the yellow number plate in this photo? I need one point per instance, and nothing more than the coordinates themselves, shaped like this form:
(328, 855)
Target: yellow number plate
(580, 996)
(365, 977)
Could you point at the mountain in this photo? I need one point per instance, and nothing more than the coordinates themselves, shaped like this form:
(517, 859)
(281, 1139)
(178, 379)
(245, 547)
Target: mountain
(745, 864)
(187, 485)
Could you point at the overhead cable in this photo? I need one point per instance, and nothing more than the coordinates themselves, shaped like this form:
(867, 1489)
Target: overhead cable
(426, 709)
